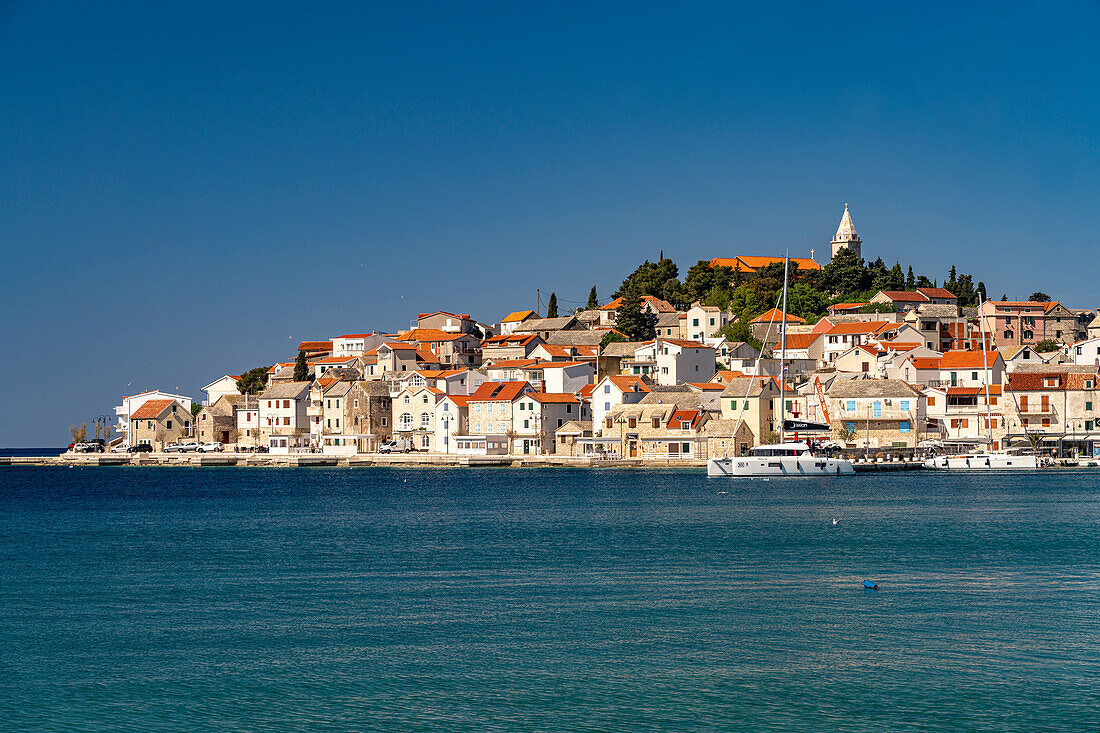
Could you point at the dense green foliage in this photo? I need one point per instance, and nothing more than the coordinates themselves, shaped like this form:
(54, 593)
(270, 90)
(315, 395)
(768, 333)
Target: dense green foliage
(593, 299)
(632, 321)
(847, 278)
(1039, 297)
(552, 306)
(301, 369)
(253, 381)
(1048, 345)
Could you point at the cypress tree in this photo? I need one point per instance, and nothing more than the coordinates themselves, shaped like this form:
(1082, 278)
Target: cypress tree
(552, 306)
(301, 370)
(632, 321)
(593, 301)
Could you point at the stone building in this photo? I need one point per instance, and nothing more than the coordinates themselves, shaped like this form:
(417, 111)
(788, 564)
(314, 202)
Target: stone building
(218, 422)
(160, 422)
(368, 411)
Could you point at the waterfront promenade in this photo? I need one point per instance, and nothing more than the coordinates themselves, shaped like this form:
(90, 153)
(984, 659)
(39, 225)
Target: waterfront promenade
(363, 460)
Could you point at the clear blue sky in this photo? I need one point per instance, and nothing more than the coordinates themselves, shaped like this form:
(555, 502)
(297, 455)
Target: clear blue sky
(188, 190)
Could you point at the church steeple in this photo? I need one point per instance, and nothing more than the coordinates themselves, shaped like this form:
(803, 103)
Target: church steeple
(846, 237)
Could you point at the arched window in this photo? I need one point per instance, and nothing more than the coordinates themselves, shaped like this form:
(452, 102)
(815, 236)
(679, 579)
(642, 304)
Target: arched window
(425, 420)
(406, 399)
(405, 421)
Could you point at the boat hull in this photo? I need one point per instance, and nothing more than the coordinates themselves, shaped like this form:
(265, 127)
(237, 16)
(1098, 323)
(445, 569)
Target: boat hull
(983, 462)
(749, 466)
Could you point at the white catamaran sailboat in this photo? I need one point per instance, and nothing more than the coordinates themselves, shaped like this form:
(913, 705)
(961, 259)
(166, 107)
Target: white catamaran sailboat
(989, 460)
(782, 459)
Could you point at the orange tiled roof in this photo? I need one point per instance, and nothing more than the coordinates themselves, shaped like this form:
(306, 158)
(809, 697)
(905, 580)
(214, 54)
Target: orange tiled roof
(775, 315)
(517, 316)
(752, 263)
(960, 359)
(629, 383)
(151, 409)
(553, 397)
(937, 293)
(429, 334)
(926, 362)
(315, 346)
(691, 417)
(861, 327)
(498, 391)
(904, 296)
(846, 306)
(801, 340)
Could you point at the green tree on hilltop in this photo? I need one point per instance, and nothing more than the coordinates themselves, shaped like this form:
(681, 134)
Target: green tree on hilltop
(552, 306)
(896, 278)
(910, 280)
(653, 278)
(301, 369)
(593, 300)
(846, 274)
(1039, 297)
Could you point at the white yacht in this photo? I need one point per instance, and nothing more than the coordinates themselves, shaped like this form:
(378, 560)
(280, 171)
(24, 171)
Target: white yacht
(993, 461)
(782, 459)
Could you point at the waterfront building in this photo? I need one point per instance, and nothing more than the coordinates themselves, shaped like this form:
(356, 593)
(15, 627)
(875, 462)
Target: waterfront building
(159, 422)
(133, 403)
(879, 413)
(1056, 406)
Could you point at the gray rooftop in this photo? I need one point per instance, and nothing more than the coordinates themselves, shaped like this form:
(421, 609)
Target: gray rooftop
(871, 388)
(575, 338)
(286, 390)
(545, 324)
(621, 348)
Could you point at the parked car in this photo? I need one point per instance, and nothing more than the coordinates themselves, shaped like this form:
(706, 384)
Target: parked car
(191, 447)
(212, 446)
(121, 448)
(174, 448)
(89, 446)
(397, 445)
(141, 448)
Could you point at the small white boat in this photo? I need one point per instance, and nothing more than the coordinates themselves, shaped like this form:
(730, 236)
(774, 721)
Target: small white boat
(784, 459)
(992, 461)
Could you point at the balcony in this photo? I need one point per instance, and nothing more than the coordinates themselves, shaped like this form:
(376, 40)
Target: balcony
(315, 409)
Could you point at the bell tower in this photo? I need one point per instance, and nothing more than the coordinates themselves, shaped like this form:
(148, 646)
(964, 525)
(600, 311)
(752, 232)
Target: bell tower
(846, 237)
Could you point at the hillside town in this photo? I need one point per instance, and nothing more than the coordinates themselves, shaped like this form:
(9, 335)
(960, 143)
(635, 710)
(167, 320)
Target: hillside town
(905, 370)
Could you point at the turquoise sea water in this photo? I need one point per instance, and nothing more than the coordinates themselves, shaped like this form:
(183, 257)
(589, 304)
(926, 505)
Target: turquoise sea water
(372, 599)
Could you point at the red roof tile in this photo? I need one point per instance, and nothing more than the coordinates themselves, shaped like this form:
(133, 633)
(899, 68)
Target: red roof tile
(498, 391)
(151, 409)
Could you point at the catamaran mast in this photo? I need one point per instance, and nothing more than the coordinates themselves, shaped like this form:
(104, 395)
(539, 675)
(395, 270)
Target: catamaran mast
(783, 350)
(985, 373)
